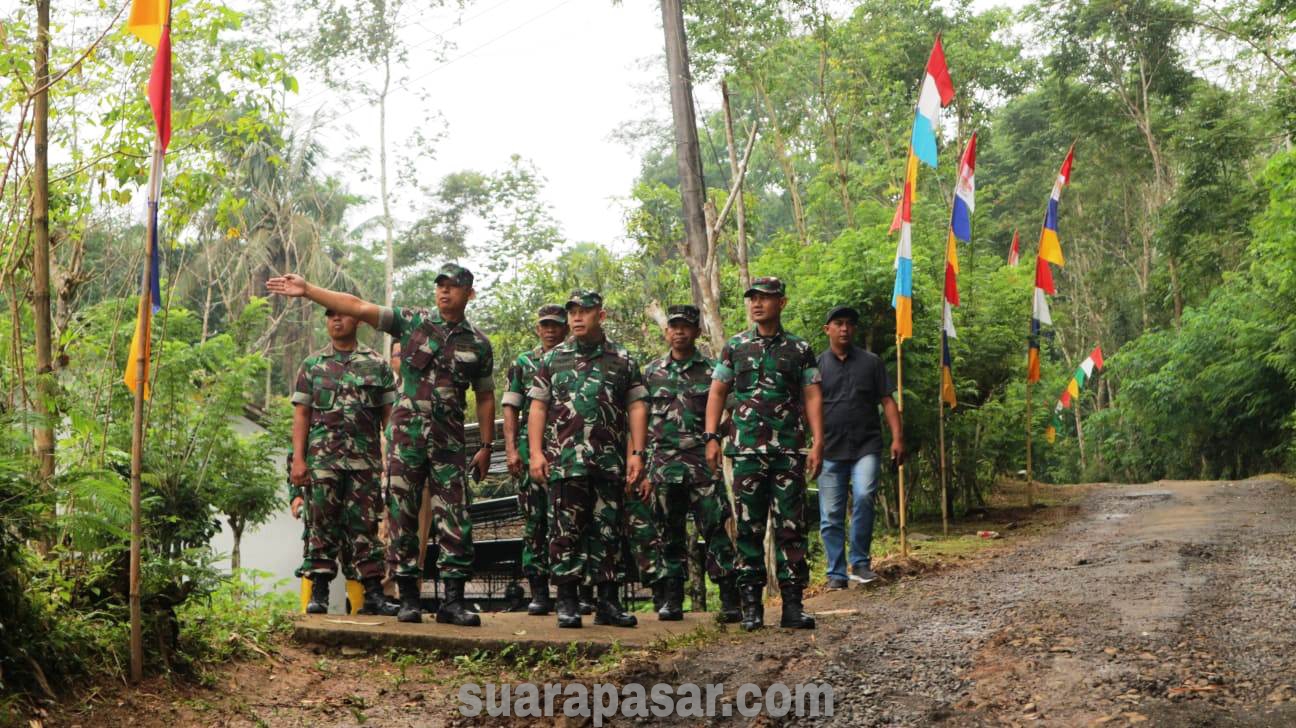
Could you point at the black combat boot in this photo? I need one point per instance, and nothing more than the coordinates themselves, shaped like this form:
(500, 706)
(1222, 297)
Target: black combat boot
(586, 599)
(540, 604)
(411, 605)
(753, 610)
(659, 594)
(608, 608)
(792, 615)
(569, 614)
(672, 608)
(375, 602)
(729, 611)
(453, 608)
(319, 597)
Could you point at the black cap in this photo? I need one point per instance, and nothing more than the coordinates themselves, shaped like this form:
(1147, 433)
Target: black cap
(845, 312)
(687, 313)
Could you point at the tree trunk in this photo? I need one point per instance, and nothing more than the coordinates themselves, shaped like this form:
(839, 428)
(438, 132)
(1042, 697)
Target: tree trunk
(740, 208)
(389, 266)
(698, 247)
(236, 559)
(45, 390)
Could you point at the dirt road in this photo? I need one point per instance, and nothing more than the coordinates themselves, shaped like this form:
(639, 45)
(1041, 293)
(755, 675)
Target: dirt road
(1167, 604)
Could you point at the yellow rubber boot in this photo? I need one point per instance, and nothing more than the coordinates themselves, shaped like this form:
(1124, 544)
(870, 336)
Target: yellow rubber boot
(355, 595)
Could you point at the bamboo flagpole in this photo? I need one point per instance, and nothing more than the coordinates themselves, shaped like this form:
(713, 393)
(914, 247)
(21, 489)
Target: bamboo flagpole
(900, 469)
(960, 228)
(150, 20)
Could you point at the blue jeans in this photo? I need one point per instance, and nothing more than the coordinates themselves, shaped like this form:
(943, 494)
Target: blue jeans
(860, 479)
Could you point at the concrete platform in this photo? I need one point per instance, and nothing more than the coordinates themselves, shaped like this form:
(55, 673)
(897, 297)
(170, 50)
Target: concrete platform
(497, 630)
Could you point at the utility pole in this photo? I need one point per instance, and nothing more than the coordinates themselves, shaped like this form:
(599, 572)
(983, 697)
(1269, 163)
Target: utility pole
(41, 251)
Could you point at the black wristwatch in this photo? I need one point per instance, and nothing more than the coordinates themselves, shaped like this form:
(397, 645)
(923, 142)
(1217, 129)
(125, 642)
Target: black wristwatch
(639, 453)
(487, 446)
(710, 437)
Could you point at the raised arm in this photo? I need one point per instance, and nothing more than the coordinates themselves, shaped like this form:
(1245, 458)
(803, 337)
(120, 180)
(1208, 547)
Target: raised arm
(294, 286)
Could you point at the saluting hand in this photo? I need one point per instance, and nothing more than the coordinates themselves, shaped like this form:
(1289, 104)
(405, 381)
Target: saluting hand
(288, 284)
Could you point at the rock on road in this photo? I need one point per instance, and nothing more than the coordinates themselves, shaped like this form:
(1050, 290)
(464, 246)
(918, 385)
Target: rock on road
(1172, 603)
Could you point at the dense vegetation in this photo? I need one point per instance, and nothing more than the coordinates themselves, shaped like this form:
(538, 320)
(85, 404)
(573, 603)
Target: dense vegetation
(1179, 231)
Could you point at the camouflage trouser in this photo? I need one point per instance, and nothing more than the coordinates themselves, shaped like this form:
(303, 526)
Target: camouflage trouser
(762, 484)
(642, 541)
(534, 499)
(586, 542)
(709, 503)
(342, 511)
(411, 462)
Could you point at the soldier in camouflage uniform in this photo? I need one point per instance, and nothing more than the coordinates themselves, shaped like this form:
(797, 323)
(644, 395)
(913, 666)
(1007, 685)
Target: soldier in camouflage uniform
(584, 394)
(678, 387)
(442, 355)
(775, 380)
(341, 400)
(551, 328)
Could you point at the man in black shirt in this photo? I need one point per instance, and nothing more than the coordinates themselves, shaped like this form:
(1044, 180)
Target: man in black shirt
(855, 384)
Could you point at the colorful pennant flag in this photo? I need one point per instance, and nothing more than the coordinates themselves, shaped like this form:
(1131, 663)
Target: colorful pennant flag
(1049, 247)
(902, 294)
(1092, 363)
(1050, 433)
(1014, 252)
(937, 92)
(149, 21)
(960, 229)
(1039, 316)
(911, 179)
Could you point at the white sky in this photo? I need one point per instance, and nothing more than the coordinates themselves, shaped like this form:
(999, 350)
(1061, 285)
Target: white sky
(550, 80)
(547, 79)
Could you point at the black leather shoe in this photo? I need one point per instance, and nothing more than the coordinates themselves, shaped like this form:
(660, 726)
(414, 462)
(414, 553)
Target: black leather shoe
(586, 599)
(730, 612)
(793, 617)
(453, 608)
(540, 604)
(319, 597)
(672, 608)
(375, 602)
(569, 615)
(411, 605)
(753, 610)
(608, 609)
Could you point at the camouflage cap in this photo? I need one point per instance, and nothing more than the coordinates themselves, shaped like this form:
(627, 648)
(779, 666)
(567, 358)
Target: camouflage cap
(456, 273)
(585, 299)
(686, 313)
(766, 284)
(552, 312)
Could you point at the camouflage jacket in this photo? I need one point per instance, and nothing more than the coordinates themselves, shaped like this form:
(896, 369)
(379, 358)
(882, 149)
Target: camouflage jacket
(345, 391)
(677, 392)
(767, 376)
(588, 389)
(439, 362)
(520, 377)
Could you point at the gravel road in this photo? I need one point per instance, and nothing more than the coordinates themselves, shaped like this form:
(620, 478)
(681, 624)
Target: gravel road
(1172, 603)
